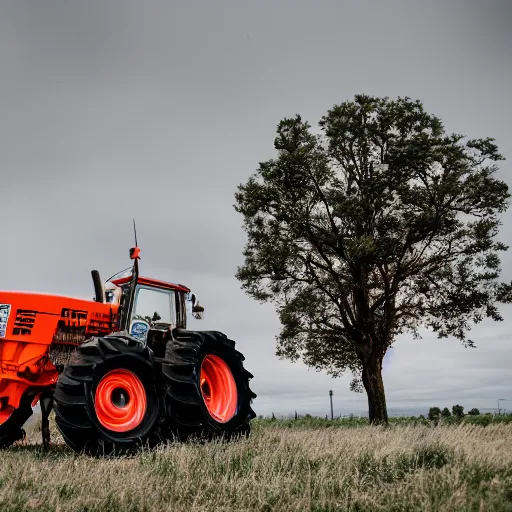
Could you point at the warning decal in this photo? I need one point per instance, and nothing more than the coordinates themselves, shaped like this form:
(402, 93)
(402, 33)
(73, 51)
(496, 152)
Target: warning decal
(5, 310)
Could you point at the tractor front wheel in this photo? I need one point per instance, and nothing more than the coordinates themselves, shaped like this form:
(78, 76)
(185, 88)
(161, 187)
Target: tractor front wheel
(105, 400)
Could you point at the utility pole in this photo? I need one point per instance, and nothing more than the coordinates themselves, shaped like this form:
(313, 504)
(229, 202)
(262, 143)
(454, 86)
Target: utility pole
(332, 411)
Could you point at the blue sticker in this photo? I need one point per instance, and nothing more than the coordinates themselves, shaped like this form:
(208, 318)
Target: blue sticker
(139, 329)
(5, 310)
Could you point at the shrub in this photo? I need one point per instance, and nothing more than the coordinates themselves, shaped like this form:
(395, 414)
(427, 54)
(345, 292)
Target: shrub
(458, 410)
(482, 420)
(434, 413)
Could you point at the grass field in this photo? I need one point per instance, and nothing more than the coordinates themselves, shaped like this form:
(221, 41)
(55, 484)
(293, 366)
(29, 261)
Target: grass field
(286, 465)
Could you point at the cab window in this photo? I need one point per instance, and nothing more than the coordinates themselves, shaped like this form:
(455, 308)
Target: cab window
(153, 305)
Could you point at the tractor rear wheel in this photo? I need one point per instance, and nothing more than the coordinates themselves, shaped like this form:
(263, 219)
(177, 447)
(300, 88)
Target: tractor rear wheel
(12, 422)
(105, 400)
(207, 393)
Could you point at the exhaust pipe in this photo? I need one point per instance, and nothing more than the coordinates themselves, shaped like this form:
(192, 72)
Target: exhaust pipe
(99, 290)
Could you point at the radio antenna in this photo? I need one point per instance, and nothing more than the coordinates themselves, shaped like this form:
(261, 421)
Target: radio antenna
(135, 233)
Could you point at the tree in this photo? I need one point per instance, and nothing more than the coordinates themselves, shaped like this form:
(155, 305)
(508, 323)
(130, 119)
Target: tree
(382, 225)
(458, 410)
(152, 319)
(446, 413)
(474, 412)
(434, 413)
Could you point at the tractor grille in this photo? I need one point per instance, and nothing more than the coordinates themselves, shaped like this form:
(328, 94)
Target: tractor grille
(63, 346)
(61, 354)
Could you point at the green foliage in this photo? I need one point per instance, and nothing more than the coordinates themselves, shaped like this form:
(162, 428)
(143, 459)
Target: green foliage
(458, 410)
(309, 421)
(445, 413)
(356, 385)
(474, 412)
(434, 413)
(483, 420)
(381, 225)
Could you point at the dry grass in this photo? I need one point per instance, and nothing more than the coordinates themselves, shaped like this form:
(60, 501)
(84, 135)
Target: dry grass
(403, 468)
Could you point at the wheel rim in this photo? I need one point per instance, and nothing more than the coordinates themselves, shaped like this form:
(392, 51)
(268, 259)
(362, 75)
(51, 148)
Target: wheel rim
(218, 388)
(120, 401)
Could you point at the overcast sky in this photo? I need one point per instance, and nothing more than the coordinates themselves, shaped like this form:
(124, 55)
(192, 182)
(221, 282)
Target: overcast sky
(158, 110)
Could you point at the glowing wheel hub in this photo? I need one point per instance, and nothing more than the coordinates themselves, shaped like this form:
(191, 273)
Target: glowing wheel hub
(218, 388)
(120, 401)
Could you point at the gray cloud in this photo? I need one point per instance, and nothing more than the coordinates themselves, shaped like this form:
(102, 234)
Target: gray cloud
(158, 110)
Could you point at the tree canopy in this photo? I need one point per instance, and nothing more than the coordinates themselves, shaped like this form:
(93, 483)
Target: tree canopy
(380, 225)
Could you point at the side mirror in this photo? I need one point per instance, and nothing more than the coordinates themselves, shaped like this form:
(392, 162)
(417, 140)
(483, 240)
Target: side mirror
(197, 309)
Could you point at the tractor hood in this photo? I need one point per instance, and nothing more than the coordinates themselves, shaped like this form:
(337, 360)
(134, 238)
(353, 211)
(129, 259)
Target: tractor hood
(38, 317)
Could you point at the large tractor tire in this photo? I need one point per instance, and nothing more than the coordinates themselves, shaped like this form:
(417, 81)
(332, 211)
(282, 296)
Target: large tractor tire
(12, 422)
(206, 387)
(105, 400)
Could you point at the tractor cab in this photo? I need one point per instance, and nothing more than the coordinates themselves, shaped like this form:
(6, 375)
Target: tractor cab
(146, 304)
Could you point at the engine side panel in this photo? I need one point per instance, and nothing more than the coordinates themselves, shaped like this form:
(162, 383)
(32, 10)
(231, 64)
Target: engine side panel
(34, 329)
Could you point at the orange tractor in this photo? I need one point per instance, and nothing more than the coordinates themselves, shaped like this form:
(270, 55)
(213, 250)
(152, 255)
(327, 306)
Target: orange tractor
(121, 371)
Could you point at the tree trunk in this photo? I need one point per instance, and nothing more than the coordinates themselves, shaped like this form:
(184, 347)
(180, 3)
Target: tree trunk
(374, 386)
